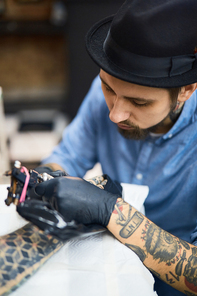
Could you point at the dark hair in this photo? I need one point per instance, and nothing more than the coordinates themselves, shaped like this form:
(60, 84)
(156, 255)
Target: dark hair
(174, 92)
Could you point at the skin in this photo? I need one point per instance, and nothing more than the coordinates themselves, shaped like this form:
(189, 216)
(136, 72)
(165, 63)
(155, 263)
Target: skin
(135, 107)
(172, 260)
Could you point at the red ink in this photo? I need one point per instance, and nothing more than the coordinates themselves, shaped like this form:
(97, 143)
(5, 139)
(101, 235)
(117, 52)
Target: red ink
(120, 208)
(191, 286)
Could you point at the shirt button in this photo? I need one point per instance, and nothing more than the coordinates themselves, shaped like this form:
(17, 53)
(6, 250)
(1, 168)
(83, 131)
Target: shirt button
(139, 176)
(170, 136)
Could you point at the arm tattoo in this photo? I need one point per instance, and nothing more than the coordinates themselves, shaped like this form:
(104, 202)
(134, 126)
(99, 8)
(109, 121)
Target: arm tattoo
(161, 244)
(190, 271)
(184, 244)
(22, 253)
(171, 281)
(167, 248)
(179, 266)
(189, 293)
(139, 252)
(129, 223)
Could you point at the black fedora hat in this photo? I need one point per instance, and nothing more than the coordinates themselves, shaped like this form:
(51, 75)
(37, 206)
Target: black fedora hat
(151, 43)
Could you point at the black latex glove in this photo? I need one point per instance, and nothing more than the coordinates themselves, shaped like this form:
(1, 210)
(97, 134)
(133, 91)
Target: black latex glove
(112, 186)
(51, 222)
(77, 199)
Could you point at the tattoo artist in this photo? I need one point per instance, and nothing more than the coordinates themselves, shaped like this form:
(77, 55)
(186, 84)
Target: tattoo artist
(139, 120)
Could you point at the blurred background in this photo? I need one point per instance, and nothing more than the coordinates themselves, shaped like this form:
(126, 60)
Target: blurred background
(45, 72)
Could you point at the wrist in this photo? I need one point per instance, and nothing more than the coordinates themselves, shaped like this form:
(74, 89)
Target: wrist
(125, 221)
(114, 213)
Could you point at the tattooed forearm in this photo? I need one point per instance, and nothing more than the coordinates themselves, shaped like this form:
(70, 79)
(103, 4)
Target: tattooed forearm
(184, 244)
(169, 258)
(141, 254)
(22, 253)
(189, 293)
(190, 271)
(161, 244)
(165, 247)
(174, 276)
(169, 280)
(118, 211)
(179, 266)
(129, 223)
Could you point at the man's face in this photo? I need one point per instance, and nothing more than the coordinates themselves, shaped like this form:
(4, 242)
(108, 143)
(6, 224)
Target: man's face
(137, 110)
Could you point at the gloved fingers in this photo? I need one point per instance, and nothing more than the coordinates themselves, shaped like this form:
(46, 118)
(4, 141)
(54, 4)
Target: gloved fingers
(77, 199)
(46, 188)
(44, 217)
(37, 210)
(40, 188)
(112, 186)
(44, 191)
(38, 191)
(51, 222)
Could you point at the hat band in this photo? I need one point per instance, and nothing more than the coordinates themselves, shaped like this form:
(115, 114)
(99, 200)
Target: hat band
(147, 66)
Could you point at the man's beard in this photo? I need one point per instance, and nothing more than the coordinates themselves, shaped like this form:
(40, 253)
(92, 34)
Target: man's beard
(137, 133)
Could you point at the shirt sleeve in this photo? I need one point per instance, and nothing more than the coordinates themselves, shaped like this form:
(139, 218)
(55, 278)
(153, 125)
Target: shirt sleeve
(76, 153)
(194, 237)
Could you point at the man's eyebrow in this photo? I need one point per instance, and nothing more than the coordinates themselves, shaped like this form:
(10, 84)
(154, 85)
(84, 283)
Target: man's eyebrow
(141, 100)
(104, 82)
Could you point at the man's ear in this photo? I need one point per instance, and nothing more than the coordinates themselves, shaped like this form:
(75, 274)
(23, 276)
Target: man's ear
(186, 92)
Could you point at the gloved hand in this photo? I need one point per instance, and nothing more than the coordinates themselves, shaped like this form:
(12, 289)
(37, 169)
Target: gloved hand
(77, 199)
(44, 216)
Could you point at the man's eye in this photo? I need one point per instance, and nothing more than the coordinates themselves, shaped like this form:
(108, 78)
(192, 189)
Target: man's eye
(139, 104)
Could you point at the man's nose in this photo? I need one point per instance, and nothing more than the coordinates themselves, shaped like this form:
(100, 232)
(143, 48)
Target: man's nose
(119, 111)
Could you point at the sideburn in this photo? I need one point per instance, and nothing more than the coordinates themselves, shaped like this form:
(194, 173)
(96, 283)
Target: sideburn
(175, 109)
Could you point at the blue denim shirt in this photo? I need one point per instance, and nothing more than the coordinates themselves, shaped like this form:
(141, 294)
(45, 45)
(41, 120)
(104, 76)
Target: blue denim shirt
(167, 164)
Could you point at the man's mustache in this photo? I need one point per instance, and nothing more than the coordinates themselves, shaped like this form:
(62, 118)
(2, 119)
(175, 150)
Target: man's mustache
(130, 124)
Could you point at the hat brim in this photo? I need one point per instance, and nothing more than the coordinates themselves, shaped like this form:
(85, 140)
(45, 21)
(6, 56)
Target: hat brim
(94, 44)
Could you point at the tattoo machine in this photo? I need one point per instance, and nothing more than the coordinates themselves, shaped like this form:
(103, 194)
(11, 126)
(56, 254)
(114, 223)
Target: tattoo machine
(41, 213)
(22, 181)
